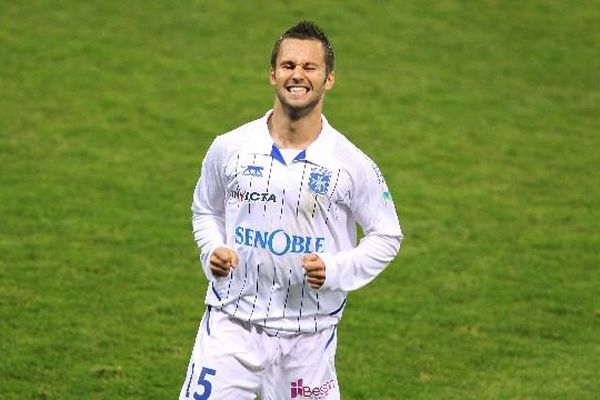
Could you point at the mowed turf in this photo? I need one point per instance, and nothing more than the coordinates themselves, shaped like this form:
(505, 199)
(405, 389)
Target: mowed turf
(483, 116)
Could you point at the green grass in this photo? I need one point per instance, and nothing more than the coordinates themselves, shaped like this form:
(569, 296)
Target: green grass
(482, 115)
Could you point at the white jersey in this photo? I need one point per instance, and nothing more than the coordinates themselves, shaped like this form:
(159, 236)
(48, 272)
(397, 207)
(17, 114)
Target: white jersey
(272, 212)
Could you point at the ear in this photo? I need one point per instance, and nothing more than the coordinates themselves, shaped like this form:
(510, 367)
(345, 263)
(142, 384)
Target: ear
(330, 80)
(272, 76)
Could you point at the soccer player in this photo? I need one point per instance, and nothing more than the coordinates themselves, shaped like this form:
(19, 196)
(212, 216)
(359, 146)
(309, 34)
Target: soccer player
(274, 215)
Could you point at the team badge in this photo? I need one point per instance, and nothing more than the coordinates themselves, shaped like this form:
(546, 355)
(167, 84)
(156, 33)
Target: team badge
(253, 170)
(319, 180)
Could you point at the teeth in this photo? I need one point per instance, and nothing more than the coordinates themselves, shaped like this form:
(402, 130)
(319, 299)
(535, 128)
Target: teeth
(297, 89)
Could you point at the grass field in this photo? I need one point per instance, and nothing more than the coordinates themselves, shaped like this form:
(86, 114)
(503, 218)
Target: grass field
(483, 115)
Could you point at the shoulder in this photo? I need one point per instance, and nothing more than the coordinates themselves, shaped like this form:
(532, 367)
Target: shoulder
(347, 153)
(359, 167)
(239, 135)
(236, 139)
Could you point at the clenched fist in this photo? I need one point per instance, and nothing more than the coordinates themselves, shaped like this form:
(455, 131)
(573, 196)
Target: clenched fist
(314, 269)
(222, 260)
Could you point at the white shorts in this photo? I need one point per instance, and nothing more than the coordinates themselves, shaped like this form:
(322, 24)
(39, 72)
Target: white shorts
(234, 360)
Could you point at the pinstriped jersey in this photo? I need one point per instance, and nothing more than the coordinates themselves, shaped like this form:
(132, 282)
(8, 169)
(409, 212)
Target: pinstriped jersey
(273, 211)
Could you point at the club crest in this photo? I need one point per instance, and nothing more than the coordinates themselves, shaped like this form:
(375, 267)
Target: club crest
(319, 180)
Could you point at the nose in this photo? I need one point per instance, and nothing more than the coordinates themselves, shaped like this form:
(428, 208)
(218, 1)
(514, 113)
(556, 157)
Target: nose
(297, 72)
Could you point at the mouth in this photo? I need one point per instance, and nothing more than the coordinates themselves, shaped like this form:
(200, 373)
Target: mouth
(298, 90)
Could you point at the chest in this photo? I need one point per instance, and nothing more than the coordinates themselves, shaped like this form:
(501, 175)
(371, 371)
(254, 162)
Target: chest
(300, 186)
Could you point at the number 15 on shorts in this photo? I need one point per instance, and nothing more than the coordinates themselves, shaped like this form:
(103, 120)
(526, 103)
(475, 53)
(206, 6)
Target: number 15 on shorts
(203, 382)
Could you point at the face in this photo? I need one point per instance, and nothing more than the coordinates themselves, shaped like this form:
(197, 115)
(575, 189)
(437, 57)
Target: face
(299, 76)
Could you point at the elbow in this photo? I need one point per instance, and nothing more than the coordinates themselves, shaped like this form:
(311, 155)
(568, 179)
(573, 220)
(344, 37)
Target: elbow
(390, 247)
(399, 240)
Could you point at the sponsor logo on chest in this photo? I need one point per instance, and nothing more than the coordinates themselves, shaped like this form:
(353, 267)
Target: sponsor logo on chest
(247, 196)
(278, 242)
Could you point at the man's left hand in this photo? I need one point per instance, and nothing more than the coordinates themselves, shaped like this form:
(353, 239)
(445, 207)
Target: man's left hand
(314, 269)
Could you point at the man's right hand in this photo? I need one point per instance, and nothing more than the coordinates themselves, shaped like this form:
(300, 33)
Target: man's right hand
(222, 260)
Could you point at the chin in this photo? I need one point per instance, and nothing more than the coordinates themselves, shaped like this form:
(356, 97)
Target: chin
(298, 108)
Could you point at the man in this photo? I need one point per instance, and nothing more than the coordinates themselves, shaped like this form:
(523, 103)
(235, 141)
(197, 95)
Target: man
(274, 215)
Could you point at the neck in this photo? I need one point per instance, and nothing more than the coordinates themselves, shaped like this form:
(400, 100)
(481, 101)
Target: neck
(294, 131)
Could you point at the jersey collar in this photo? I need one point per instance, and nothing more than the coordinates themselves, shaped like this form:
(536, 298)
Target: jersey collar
(317, 152)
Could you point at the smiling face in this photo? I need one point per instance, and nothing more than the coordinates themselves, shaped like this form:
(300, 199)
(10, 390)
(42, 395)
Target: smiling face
(300, 76)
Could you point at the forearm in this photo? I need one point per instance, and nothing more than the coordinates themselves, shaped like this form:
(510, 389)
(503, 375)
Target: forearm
(208, 209)
(352, 269)
(209, 233)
